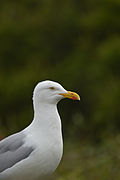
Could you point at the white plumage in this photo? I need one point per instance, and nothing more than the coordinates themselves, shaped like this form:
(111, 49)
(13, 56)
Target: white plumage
(36, 151)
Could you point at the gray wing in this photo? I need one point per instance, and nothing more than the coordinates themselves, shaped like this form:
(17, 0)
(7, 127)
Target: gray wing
(12, 151)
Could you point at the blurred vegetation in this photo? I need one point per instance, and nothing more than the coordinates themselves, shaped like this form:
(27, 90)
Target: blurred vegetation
(76, 43)
(85, 161)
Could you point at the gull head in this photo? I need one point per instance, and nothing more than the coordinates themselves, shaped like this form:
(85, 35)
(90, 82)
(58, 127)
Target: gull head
(51, 92)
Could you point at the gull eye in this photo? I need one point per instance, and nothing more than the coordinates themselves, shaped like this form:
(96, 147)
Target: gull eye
(52, 88)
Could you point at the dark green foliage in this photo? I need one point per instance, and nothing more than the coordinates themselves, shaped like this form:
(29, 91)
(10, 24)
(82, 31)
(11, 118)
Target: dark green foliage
(76, 43)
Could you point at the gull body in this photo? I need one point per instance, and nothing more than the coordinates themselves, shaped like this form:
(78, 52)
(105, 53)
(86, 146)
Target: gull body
(36, 151)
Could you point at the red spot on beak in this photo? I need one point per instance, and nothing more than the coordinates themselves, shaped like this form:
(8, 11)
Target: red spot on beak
(74, 98)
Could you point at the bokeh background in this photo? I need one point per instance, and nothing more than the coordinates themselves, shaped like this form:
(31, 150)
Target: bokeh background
(76, 43)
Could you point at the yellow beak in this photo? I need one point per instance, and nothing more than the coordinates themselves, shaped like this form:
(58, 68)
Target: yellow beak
(71, 95)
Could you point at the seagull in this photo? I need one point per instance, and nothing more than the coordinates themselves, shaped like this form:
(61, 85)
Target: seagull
(36, 151)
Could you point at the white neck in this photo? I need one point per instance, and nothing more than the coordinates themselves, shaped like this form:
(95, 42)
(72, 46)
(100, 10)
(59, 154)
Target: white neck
(46, 118)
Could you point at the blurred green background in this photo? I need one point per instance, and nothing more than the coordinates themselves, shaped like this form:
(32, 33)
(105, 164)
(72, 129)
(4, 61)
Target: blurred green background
(76, 43)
